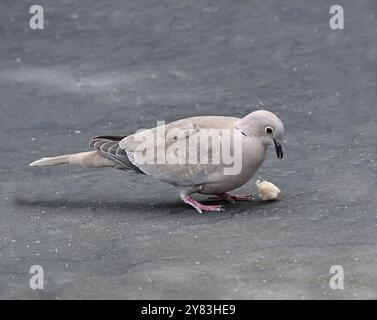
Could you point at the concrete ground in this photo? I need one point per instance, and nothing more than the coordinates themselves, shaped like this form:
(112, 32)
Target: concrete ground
(112, 67)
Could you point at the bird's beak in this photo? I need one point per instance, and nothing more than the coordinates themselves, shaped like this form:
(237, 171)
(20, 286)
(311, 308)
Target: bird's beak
(278, 149)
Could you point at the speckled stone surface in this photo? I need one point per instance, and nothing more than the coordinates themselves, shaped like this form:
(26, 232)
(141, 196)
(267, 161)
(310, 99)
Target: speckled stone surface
(111, 67)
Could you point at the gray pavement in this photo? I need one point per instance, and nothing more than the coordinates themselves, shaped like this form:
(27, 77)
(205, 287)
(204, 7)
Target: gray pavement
(111, 67)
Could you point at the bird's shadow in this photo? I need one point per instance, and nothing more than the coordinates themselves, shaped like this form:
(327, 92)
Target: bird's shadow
(142, 206)
(106, 205)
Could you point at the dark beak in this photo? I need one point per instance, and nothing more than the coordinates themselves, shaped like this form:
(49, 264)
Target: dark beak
(278, 149)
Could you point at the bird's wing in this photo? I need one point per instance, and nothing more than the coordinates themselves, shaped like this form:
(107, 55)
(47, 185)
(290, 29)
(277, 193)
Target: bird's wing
(165, 141)
(108, 146)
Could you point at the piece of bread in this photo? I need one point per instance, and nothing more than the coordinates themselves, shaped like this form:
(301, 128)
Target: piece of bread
(267, 190)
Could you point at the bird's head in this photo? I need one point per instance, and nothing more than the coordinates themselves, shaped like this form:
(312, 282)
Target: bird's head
(265, 126)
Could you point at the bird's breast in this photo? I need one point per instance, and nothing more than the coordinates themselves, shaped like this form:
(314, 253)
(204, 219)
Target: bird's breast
(253, 155)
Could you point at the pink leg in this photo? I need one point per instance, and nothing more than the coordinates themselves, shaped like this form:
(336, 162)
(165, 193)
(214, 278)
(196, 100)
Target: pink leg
(199, 206)
(233, 197)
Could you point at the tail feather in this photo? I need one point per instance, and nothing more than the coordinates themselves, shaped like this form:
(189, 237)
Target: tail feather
(51, 161)
(91, 159)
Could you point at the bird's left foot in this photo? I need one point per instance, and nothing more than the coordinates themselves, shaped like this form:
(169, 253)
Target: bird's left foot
(232, 198)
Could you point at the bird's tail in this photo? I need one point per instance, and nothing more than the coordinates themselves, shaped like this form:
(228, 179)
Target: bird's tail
(51, 161)
(86, 159)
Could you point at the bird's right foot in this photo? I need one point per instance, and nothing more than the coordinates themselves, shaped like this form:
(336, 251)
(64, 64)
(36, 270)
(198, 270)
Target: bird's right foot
(201, 207)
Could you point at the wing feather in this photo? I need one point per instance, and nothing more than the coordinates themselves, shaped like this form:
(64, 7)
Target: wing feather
(184, 174)
(108, 146)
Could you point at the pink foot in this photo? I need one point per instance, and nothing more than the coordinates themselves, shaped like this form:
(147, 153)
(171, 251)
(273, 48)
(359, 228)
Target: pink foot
(233, 197)
(199, 206)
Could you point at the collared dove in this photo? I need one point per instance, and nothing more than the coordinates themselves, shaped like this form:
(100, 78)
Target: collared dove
(250, 135)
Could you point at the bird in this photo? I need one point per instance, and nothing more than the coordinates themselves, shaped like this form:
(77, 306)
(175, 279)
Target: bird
(157, 152)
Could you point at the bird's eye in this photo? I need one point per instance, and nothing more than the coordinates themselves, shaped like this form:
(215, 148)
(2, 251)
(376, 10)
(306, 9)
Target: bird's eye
(269, 130)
